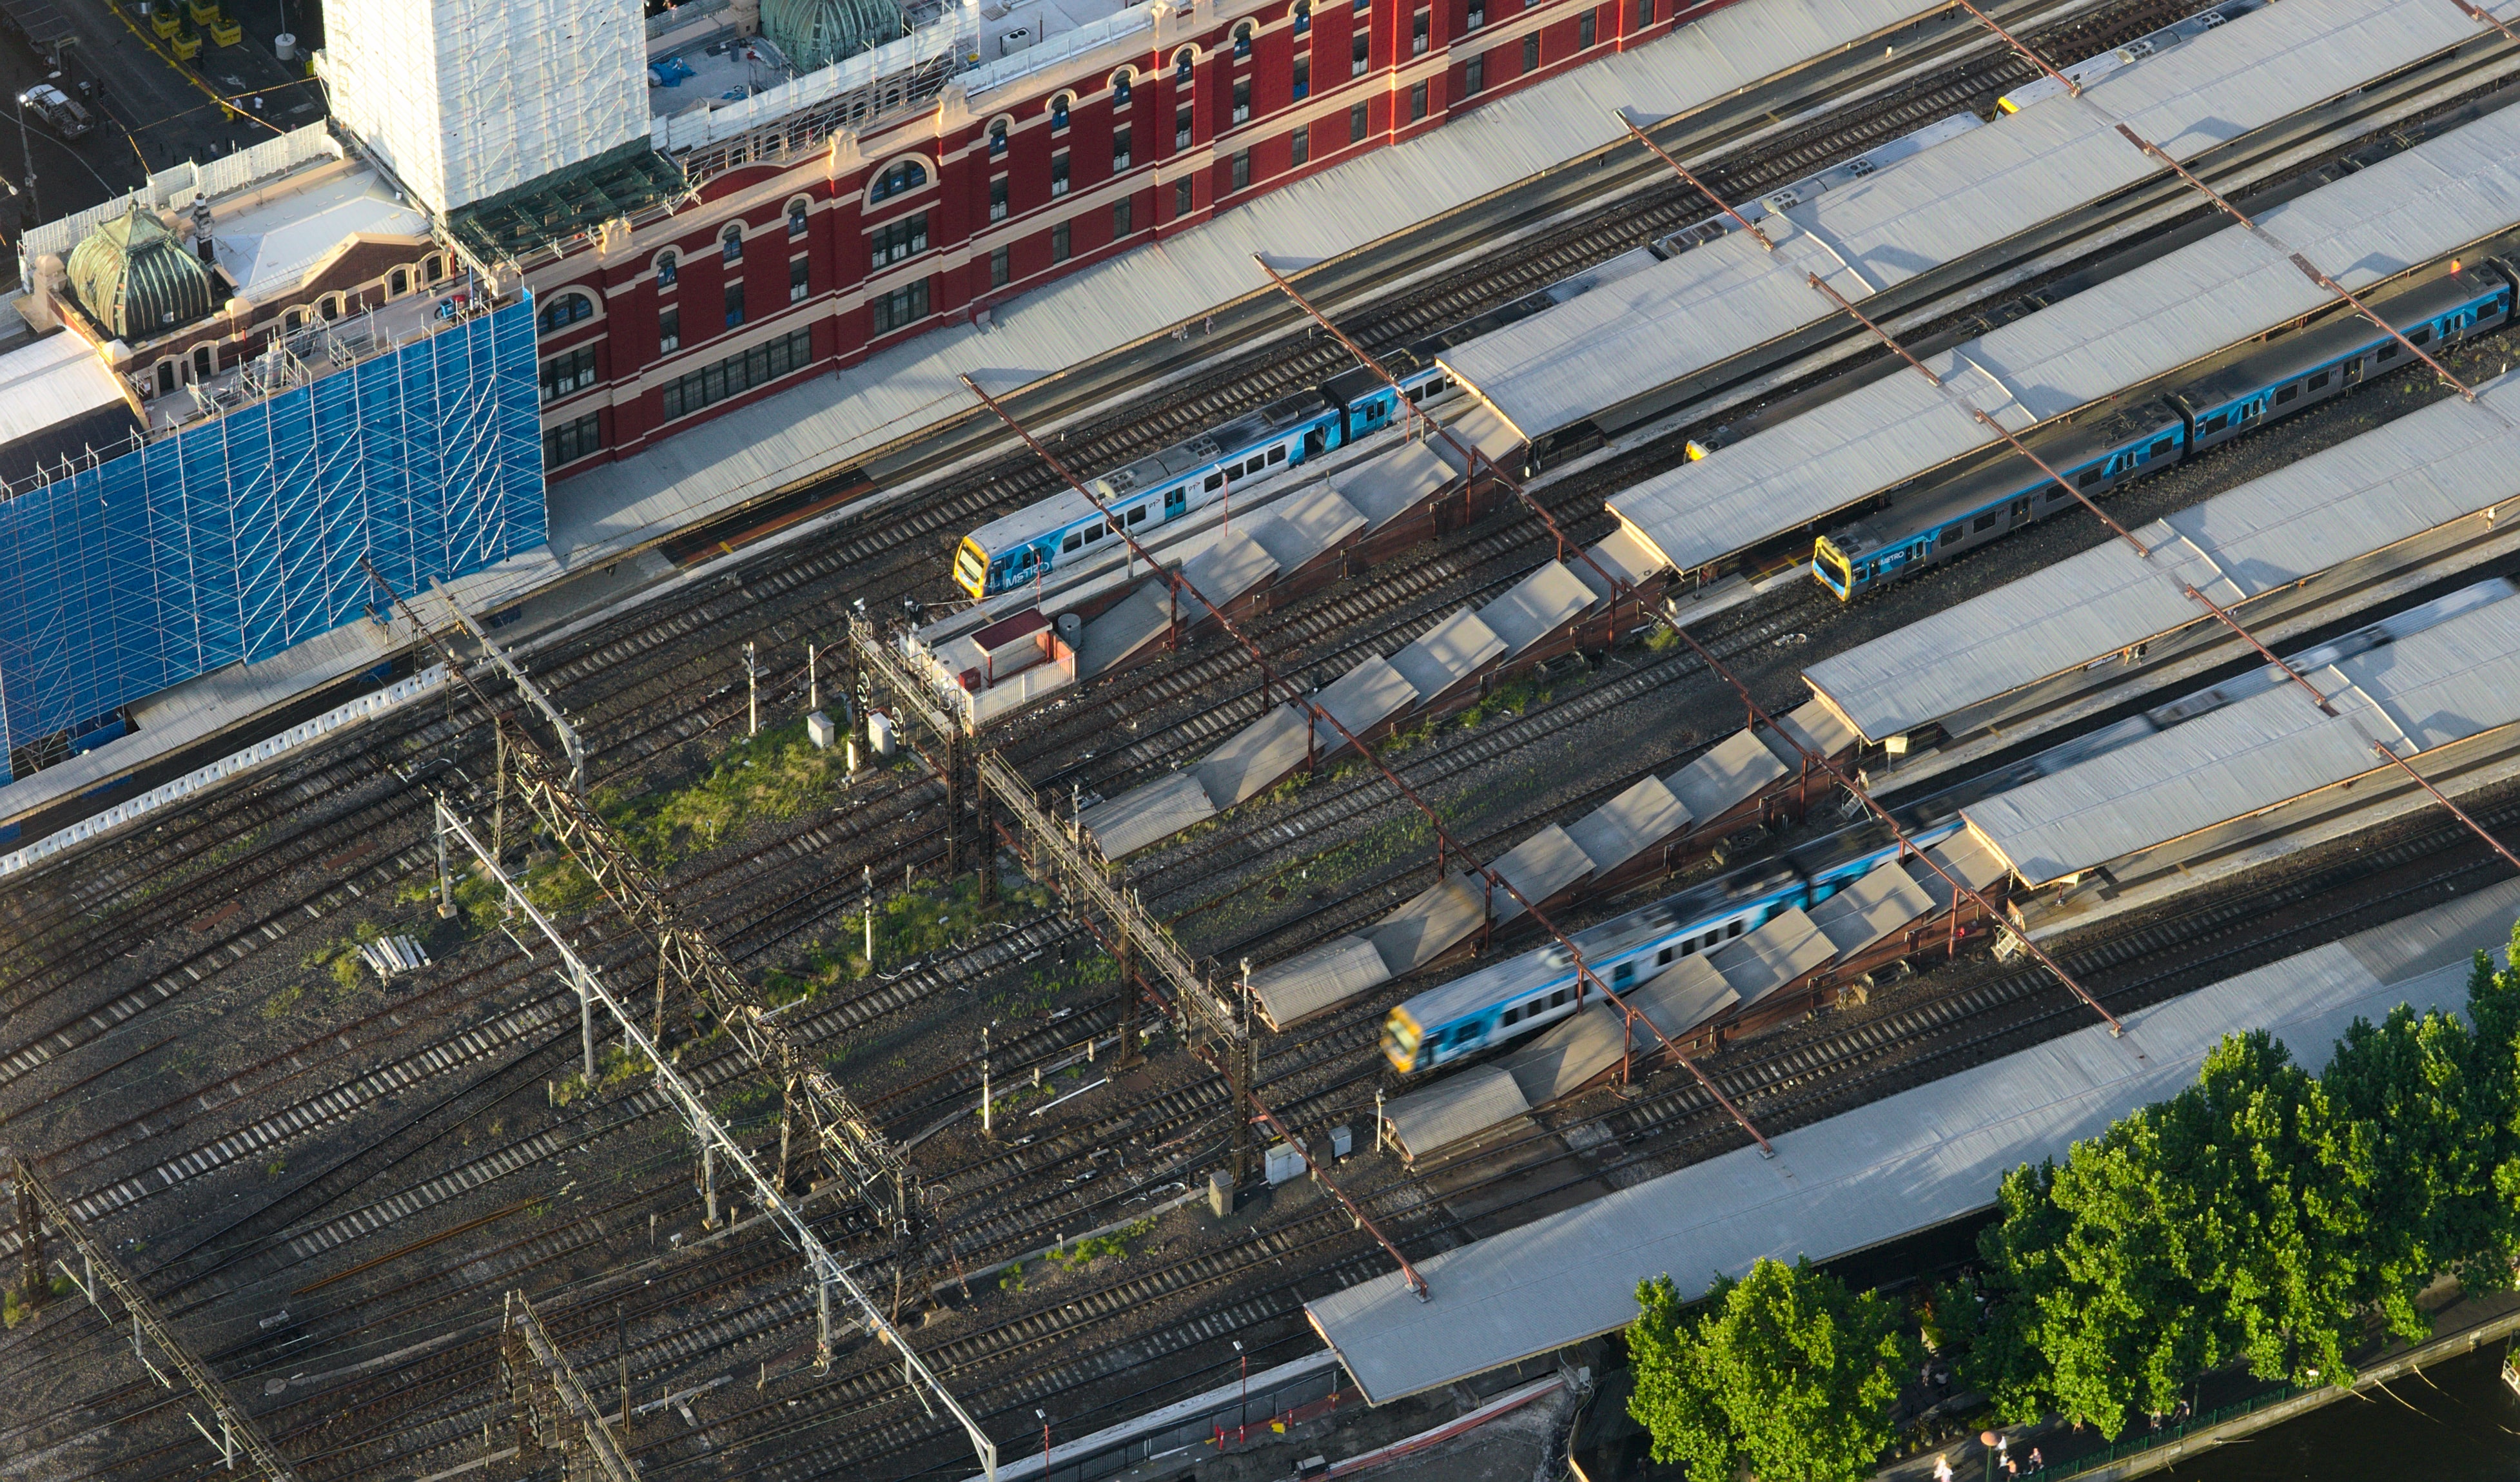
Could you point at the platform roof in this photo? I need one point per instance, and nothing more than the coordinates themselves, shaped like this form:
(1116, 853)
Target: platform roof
(1869, 910)
(2177, 309)
(1538, 605)
(1449, 1111)
(1149, 815)
(1318, 979)
(1704, 306)
(1616, 831)
(2442, 685)
(1448, 653)
(1724, 775)
(1902, 1164)
(2433, 465)
(1143, 292)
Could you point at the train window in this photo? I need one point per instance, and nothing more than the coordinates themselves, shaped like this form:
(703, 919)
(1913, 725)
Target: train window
(1094, 535)
(2057, 493)
(2286, 394)
(1689, 948)
(1071, 542)
(1561, 996)
(1278, 455)
(1624, 974)
(1233, 472)
(2090, 476)
(2387, 351)
(1732, 929)
(2218, 421)
(2424, 335)
(1984, 522)
(1513, 1015)
(2316, 381)
(1215, 481)
(1138, 515)
(1663, 960)
(2161, 449)
(1952, 533)
(1535, 1007)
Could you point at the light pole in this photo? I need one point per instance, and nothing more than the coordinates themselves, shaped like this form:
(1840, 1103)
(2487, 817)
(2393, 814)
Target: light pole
(1242, 1400)
(27, 153)
(1044, 1417)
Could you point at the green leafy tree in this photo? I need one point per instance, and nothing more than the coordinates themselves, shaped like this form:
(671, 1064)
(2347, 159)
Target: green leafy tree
(2226, 1223)
(1786, 1372)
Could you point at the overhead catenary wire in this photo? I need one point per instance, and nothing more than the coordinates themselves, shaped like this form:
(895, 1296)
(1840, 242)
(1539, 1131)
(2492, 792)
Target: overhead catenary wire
(1179, 584)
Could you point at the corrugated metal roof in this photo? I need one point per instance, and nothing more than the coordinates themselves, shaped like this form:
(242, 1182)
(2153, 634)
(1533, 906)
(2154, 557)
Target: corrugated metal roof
(1444, 913)
(2441, 685)
(1616, 831)
(1563, 366)
(1538, 604)
(1255, 757)
(1363, 698)
(1447, 653)
(1724, 775)
(1784, 951)
(1869, 910)
(1539, 868)
(52, 381)
(2178, 309)
(1129, 624)
(1567, 1053)
(1391, 484)
(1149, 815)
(1318, 979)
(1965, 856)
(1301, 528)
(1462, 1106)
(1232, 565)
(1145, 291)
(1901, 1164)
(1684, 996)
(2433, 465)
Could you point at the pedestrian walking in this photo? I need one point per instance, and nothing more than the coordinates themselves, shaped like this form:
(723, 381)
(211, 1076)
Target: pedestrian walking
(1941, 1470)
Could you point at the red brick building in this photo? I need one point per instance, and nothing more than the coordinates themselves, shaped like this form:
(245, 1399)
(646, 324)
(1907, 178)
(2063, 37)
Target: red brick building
(807, 244)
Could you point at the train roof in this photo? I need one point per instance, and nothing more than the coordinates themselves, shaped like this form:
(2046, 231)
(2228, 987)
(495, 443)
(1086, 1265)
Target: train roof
(2435, 465)
(1911, 1161)
(1033, 522)
(2175, 310)
(2444, 683)
(1477, 989)
(1586, 359)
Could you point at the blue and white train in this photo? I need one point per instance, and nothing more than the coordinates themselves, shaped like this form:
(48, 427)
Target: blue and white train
(1506, 1000)
(1017, 549)
(2230, 395)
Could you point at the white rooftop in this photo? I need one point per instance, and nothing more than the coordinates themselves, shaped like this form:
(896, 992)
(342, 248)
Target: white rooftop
(895, 395)
(269, 246)
(1902, 1164)
(2178, 309)
(2444, 684)
(50, 381)
(2433, 465)
(1958, 197)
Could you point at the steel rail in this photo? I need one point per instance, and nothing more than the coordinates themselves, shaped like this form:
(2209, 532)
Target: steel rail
(238, 1431)
(1179, 584)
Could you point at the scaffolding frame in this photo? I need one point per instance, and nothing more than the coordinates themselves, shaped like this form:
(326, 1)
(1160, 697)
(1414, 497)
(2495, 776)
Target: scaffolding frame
(239, 1435)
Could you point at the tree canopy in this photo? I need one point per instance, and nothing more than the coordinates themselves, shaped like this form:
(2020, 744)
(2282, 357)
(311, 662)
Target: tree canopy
(2262, 1216)
(1786, 1372)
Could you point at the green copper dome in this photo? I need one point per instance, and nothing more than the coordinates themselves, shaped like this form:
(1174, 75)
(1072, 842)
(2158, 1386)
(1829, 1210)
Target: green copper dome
(136, 281)
(815, 34)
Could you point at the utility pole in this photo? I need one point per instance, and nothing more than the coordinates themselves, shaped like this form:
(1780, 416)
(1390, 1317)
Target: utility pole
(989, 1127)
(752, 692)
(812, 682)
(26, 153)
(238, 1434)
(548, 1402)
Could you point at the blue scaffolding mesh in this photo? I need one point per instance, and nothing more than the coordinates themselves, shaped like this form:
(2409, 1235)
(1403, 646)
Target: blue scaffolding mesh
(238, 539)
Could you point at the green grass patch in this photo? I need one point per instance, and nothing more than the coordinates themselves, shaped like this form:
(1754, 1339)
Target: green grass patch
(1116, 1244)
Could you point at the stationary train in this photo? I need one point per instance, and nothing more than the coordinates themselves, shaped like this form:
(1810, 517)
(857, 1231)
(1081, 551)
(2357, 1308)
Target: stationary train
(1017, 549)
(1506, 1000)
(2235, 395)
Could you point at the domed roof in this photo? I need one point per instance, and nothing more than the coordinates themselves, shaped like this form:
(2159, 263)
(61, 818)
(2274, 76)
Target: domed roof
(136, 281)
(815, 34)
